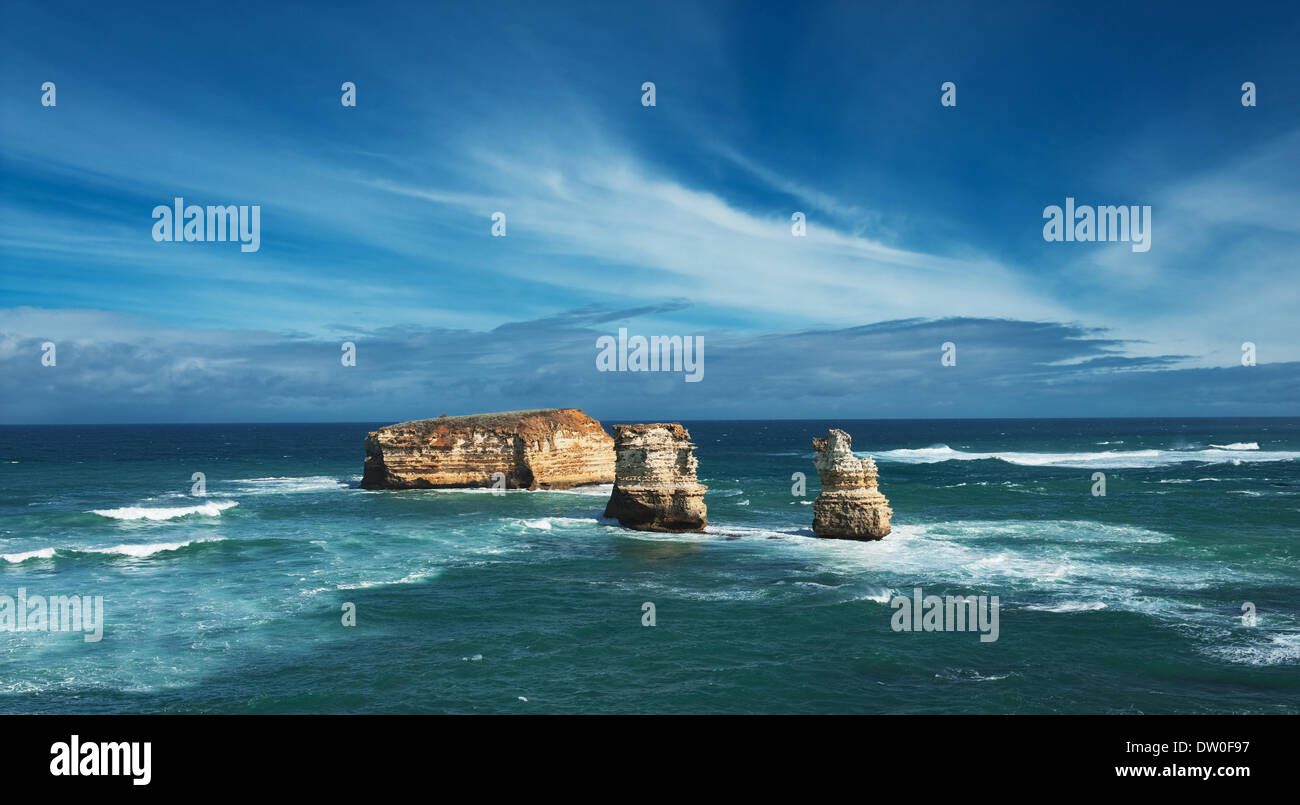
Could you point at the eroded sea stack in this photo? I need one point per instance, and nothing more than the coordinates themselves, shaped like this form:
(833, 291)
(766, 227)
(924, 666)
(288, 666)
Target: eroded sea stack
(556, 448)
(850, 505)
(655, 488)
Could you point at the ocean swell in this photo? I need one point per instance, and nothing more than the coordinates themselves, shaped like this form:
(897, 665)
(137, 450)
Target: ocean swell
(1236, 453)
(209, 509)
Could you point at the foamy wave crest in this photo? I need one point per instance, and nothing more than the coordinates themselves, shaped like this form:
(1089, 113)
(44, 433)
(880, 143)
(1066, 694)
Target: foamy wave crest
(137, 551)
(1108, 459)
(1068, 606)
(409, 578)
(1060, 566)
(547, 523)
(1280, 649)
(590, 490)
(284, 485)
(15, 558)
(736, 531)
(970, 675)
(878, 596)
(1237, 446)
(148, 549)
(210, 509)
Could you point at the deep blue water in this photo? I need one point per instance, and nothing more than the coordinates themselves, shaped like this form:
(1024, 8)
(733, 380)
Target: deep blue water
(530, 602)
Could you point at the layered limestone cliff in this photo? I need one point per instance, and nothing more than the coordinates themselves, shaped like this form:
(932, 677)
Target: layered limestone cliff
(850, 505)
(655, 488)
(550, 449)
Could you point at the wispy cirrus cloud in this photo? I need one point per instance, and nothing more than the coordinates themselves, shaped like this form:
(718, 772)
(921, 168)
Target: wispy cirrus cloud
(378, 216)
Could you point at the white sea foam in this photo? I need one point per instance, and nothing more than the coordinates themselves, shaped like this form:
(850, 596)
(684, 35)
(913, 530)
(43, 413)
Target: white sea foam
(881, 597)
(1107, 459)
(135, 550)
(147, 549)
(1278, 649)
(1062, 566)
(730, 531)
(212, 508)
(1237, 446)
(591, 490)
(547, 523)
(969, 675)
(289, 484)
(15, 558)
(1050, 531)
(1069, 606)
(409, 578)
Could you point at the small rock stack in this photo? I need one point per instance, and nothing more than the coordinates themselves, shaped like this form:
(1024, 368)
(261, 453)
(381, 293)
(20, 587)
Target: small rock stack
(655, 488)
(850, 505)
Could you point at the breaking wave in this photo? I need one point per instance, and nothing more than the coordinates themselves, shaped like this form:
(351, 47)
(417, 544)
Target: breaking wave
(137, 551)
(210, 509)
(147, 549)
(1277, 649)
(410, 578)
(15, 558)
(287, 484)
(1069, 606)
(1234, 454)
(547, 523)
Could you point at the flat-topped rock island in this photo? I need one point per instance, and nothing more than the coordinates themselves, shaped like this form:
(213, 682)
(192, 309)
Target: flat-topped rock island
(555, 448)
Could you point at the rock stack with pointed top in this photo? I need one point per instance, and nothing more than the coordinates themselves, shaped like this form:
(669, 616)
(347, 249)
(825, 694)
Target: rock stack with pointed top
(655, 488)
(850, 505)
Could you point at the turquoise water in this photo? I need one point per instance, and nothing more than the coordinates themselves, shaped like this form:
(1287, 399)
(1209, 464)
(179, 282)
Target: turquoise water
(531, 602)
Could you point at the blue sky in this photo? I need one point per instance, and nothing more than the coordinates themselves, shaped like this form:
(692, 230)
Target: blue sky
(924, 222)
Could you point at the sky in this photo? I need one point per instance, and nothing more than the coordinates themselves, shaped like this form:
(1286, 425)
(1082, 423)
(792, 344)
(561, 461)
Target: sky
(924, 222)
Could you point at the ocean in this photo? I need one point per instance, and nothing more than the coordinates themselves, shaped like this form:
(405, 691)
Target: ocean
(532, 602)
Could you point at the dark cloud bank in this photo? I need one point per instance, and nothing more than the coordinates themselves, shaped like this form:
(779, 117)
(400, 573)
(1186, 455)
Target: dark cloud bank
(892, 369)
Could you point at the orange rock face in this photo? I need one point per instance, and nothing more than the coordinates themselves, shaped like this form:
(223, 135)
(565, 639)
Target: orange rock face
(555, 448)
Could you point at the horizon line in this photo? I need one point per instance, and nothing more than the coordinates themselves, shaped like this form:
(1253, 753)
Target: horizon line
(659, 419)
